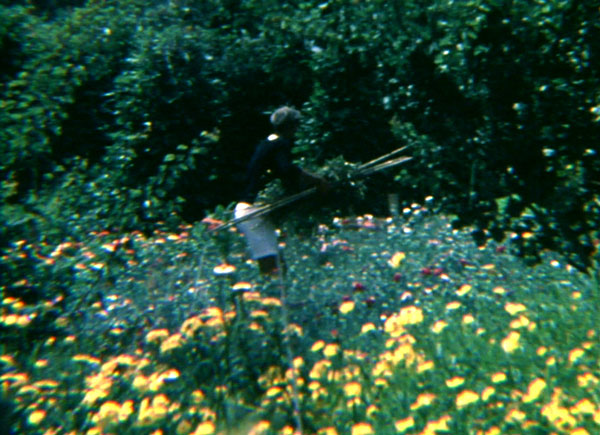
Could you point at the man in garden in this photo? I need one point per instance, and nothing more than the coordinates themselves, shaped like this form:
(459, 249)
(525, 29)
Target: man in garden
(272, 159)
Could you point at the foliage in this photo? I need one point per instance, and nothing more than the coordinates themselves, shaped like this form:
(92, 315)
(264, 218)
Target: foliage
(141, 112)
(406, 326)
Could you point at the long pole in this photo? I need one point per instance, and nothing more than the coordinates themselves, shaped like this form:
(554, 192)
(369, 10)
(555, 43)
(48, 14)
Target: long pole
(366, 169)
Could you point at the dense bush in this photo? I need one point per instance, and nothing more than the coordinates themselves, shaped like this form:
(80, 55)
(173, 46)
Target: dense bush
(128, 113)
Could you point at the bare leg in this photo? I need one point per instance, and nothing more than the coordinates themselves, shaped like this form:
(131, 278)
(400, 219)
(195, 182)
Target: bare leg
(270, 264)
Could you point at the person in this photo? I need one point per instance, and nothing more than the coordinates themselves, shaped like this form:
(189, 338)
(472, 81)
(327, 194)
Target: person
(272, 159)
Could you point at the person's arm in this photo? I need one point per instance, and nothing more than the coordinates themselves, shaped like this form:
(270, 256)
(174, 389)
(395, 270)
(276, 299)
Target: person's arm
(309, 179)
(292, 175)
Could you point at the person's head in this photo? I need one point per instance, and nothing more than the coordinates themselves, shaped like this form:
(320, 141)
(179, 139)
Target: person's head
(286, 120)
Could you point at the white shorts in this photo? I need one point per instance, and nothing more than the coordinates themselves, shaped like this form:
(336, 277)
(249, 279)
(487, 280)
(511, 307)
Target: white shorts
(259, 232)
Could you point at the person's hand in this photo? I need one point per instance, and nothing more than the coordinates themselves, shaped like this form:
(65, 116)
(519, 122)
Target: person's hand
(324, 187)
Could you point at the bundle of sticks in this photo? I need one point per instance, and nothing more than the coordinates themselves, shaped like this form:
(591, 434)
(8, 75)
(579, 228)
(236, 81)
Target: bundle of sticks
(386, 161)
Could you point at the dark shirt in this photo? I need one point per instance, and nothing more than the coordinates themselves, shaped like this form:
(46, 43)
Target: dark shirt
(272, 159)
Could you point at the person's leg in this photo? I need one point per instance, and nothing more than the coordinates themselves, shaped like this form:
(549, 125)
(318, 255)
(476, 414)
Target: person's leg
(267, 265)
(270, 264)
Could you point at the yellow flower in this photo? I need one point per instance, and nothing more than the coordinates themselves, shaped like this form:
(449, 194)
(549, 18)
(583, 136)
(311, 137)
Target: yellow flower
(259, 428)
(273, 391)
(520, 322)
(371, 410)
(411, 315)
(46, 384)
(584, 406)
(141, 383)
(487, 393)
(86, 358)
(224, 269)
(271, 302)
(534, 390)
(327, 431)
(453, 305)
(294, 328)
(362, 429)
(331, 350)
(126, 410)
(150, 412)
(205, 428)
(425, 366)
(454, 382)
(346, 307)
(575, 355)
(393, 326)
(319, 369)
(7, 359)
(190, 326)
(587, 379)
(511, 342)
(466, 398)
(353, 401)
(396, 259)
(439, 326)
(36, 417)
(464, 289)
(173, 342)
(381, 382)
(424, 399)
(433, 427)
(352, 389)
(197, 396)
(183, 428)
(498, 377)
(242, 286)
(108, 414)
(579, 431)
(405, 424)
(367, 327)
(468, 319)
(499, 290)
(515, 415)
(317, 346)
(93, 395)
(514, 308)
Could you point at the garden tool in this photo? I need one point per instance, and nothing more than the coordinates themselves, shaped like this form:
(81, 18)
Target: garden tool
(376, 165)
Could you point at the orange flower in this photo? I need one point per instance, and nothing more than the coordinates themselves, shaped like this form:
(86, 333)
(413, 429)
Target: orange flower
(224, 269)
